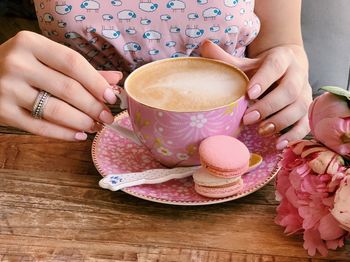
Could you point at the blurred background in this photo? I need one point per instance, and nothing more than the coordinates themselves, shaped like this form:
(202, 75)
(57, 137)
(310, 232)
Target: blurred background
(326, 32)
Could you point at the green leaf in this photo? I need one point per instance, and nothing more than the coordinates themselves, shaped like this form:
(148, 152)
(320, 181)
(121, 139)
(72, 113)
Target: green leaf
(337, 91)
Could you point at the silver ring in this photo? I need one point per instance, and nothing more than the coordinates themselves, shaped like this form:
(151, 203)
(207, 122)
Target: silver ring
(39, 104)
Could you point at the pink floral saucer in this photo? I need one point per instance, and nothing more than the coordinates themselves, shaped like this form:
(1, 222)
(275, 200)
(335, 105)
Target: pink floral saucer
(113, 154)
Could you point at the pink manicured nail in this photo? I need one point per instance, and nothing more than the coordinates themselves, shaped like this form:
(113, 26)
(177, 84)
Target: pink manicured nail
(81, 136)
(110, 96)
(120, 74)
(267, 129)
(106, 117)
(254, 92)
(281, 145)
(251, 117)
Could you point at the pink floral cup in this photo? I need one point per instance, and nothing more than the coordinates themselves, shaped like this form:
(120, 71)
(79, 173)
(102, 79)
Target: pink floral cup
(173, 137)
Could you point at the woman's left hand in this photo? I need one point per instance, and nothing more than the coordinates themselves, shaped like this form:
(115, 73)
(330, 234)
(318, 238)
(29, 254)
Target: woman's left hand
(279, 83)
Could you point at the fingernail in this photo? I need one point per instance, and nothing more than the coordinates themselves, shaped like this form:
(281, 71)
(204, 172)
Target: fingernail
(267, 129)
(281, 145)
(120, 74)
(110, 96)
(254, 91)
(251, 117)
(81, 136)
(206, 41)
(106, 117)
(116, 89)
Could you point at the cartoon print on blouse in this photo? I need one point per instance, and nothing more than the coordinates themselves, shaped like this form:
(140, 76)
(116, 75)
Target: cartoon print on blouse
(90, 5)
(116, 3)
(145, 21)
(165, 17)
(211, 13)
(192, 46)
(231, 3)
(170, 44)
(79, 18)
(63, 9)
(132, 47)
(174, 29)
(83, 45)
(131, 31)
(176, 5)
(107, 17)
(192, 16)
(110, 33)
(215, 41)
(153, 52)
(229, 17)
(61, 24)
(214, 28)
(232, 30)
(152, 35)
(178, 54)
(93, 40)
(90, 30)
(194, 32)
(148, 6)
(202, 2)
(126, 15)
(105, 46)
(72, 35)
(93, 53)
(139, 31)
(48, 18)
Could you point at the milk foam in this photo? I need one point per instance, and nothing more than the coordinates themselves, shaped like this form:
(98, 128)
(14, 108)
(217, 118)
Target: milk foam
(189, 86)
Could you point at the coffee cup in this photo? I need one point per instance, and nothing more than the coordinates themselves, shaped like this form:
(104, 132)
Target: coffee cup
(174, 104)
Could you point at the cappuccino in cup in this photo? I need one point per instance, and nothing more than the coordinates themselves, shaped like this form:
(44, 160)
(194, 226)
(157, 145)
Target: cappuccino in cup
(187, 85)
(174, 104)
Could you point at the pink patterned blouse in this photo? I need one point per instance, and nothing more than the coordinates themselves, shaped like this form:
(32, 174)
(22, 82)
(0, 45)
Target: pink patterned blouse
(124, 34)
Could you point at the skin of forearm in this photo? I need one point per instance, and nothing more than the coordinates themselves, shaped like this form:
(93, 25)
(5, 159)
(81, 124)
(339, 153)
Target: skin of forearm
(280, 27)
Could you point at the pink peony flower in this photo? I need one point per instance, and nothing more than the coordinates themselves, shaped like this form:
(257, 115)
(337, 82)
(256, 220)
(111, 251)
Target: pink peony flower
(306, 187)
(341, 210)
(329, 118)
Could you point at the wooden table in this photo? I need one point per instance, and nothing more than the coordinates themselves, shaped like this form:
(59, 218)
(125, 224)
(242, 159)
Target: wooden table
(53, 210)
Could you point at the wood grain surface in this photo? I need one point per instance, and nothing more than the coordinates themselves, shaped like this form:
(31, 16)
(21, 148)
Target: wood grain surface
(51, 209)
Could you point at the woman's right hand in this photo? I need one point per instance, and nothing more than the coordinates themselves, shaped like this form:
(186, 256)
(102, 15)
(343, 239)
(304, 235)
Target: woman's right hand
(30, 63)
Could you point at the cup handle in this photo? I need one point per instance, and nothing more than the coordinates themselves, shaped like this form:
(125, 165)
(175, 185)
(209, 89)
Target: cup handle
(124, 132)
(121, 94)
(127, 133)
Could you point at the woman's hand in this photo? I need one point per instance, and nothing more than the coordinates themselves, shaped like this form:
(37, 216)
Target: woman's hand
(30, 63)
(279, 83)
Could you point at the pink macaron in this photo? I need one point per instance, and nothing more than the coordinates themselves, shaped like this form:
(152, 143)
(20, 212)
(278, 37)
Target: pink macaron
(224, 156)
(212, 186)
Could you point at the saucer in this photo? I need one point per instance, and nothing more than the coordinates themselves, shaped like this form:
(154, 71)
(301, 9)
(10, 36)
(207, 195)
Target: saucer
(113, 154)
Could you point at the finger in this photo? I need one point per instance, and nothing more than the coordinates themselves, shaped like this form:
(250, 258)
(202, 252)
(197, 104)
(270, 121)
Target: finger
(299, 131)
(112, 77)
(272, 69)
(72, 64)
(69, 90)
(57, 111)
(210, 50)
(283, 119)
(22, 119)
(285, 93)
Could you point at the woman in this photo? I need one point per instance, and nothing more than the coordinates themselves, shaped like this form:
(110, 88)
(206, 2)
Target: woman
(118, 36)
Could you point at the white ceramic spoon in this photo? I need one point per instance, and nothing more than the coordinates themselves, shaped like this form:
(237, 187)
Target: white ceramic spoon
(116, 182)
